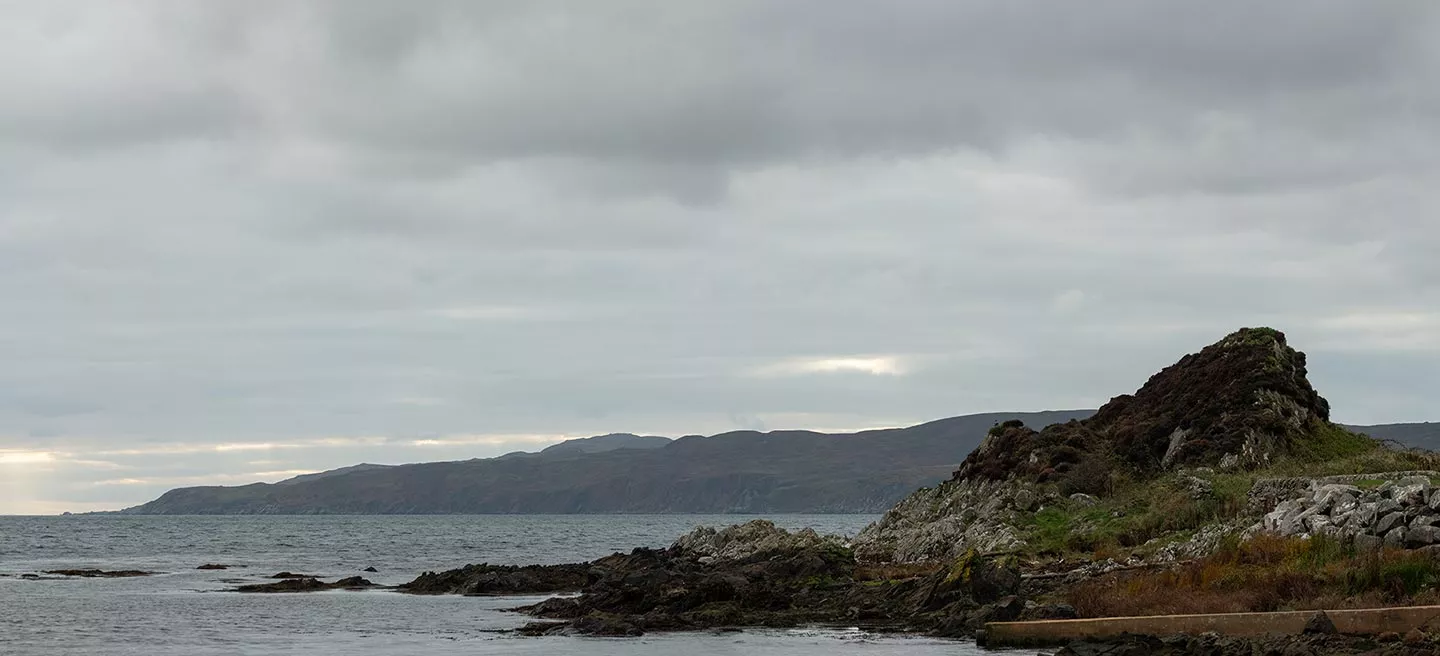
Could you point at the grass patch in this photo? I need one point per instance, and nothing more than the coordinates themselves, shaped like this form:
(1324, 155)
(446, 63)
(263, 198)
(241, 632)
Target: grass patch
(1133, 512)
(1267, 573)
(1132, 516)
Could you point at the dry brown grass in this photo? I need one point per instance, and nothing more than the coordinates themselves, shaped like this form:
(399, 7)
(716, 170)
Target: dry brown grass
(1267, 573)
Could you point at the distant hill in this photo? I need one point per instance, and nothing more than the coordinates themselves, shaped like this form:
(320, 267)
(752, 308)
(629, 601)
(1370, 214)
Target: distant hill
(603, 443)
(742, 471)
(1423, 435)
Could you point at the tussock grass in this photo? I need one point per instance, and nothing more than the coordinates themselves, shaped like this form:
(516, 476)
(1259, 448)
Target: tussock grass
(1267, 573)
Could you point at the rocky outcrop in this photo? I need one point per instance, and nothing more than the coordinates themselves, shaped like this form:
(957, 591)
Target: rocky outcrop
(754, 574)
(308, 584)
(945, 521)
(486, 579)
(667, 590)
(1402, 512)
(743, 541)
(1243, 401)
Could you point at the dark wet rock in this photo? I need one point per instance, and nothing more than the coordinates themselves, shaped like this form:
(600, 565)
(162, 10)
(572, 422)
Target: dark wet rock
(291, 575)
(1320, 624)
(370, 569)
(98, 574)
(353, 582)
(307, 584)
(603, 624)
(789, 583)
(213, 566)
(486, 579)
(30, 577)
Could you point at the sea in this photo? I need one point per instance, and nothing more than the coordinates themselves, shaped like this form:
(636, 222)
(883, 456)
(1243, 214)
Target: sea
(181, 610)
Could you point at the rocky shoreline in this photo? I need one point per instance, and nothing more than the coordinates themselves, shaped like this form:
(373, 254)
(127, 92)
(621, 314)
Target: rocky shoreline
(1221, 486)
(753, 574)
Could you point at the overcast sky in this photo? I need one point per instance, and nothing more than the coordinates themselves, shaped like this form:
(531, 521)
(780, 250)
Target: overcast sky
(245, 240)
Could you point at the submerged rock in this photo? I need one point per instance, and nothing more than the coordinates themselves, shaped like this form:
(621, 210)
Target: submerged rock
(97, 573)
(308, 584)
(213, 566)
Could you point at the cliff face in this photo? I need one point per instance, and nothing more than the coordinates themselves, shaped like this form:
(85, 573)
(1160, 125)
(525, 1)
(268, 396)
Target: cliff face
(1239, 403)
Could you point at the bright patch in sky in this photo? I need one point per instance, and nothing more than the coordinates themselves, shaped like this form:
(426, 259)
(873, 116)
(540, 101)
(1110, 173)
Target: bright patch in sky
(25, 457)
(876, 366)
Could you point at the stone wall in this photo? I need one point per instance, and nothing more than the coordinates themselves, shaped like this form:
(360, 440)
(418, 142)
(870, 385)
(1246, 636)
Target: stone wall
(1403, 511)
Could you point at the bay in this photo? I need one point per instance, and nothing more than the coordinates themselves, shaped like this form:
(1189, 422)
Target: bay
(183, 610)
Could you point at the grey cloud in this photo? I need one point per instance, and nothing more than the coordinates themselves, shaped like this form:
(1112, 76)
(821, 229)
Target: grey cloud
(277, 222)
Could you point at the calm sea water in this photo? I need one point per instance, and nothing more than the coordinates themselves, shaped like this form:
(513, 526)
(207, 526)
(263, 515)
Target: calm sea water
(184, 611)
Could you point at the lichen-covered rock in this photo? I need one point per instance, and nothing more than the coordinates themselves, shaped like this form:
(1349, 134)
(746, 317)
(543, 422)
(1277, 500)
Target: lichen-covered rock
(745, 540)
(944, 522)
(1397, 513)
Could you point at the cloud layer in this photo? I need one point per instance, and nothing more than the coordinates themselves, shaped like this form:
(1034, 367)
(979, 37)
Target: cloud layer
(277, 223)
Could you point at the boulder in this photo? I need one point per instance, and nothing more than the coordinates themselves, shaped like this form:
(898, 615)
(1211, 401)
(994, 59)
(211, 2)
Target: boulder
(1388, 523)
(1365, 542)
(1024, 500)
(1198, 488)
(1420, 536)
(1320, 624)
(1395, 537)
(1411, 491)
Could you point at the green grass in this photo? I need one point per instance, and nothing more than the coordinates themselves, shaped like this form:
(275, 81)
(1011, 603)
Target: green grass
(1161, 509)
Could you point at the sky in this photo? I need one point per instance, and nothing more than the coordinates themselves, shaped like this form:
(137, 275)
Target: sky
(243, 241)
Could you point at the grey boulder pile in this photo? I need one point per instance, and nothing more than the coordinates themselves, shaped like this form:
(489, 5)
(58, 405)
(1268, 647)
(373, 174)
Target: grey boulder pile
(1403, 513)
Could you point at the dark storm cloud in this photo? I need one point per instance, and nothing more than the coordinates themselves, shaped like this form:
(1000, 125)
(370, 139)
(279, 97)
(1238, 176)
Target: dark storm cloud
(243, 240)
